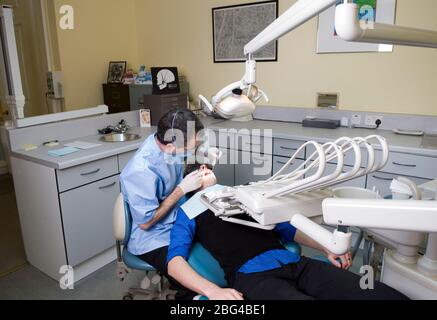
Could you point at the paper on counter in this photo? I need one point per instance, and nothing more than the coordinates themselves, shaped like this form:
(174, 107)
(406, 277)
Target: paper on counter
(83, 145)
(62, 152)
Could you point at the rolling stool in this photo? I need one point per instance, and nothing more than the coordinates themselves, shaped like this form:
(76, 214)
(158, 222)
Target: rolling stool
(122, 226)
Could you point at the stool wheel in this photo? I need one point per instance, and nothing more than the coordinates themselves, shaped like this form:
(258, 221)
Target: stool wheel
(128, 296)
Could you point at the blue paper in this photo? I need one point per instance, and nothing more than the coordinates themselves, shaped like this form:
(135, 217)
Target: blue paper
(62, 152)
(194, 207)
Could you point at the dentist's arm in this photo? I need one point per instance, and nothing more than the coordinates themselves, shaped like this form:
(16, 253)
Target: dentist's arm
(190, 183)
(164, 208)
(180, 270)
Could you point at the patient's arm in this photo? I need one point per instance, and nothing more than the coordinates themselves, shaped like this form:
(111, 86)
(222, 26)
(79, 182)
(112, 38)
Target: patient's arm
(346, 260)
(180, 270)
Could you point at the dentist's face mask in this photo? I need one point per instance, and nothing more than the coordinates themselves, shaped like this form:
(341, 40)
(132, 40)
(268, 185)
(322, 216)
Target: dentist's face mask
(179, 156)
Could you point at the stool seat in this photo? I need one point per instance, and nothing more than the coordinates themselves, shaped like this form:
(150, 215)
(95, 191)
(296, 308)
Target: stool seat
(133, 262)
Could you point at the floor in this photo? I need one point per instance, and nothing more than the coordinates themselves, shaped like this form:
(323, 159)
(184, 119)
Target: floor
(31, 284)
(11, 243)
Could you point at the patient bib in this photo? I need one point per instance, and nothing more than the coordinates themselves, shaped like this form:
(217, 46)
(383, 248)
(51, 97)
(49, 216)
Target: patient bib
(194, 207)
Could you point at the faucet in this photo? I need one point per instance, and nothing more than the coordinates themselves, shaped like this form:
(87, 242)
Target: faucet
(122, 127)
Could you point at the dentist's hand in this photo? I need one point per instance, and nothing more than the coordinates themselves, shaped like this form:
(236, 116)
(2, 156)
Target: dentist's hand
(191, 183)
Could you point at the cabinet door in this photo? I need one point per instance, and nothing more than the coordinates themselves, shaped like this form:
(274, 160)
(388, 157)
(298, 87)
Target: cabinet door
(381, 181)
(225, 169)
(252, 167)
(124, 158)
(87, 219)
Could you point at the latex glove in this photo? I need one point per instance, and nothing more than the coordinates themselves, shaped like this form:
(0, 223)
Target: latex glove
(191, 183)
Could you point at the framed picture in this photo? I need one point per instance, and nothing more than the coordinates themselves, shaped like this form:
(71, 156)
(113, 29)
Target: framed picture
(235, 26)
(382, 11)
(145, 120)
(116, 71)
(165, 80)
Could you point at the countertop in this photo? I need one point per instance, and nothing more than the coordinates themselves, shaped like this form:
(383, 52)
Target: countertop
(106, 149)
(294, 131)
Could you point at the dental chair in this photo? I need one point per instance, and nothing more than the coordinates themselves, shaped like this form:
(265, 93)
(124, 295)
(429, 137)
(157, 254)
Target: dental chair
(200, 260)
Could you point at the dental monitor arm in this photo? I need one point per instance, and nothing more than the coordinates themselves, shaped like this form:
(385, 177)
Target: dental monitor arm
(348, 27)
(301, 195)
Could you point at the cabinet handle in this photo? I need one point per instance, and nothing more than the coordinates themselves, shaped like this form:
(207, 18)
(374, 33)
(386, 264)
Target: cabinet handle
(90, 173)
(381, 178)
(108, 186)
(281, 162)
(404, 165)
(288, 148)
(259, 159)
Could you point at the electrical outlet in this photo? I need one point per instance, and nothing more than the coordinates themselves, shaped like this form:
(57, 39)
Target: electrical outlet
(356, 120)
(372, 120)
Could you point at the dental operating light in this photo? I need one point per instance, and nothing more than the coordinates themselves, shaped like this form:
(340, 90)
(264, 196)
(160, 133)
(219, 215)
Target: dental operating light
(240, 105)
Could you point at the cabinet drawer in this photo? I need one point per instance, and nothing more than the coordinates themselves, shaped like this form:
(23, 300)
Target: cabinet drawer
(411, 165)
(86, 173)
(124, 158)
(87, 219)
(279, 162)
(286, 148)
(381, 181)
(254, 143)
(243, 142)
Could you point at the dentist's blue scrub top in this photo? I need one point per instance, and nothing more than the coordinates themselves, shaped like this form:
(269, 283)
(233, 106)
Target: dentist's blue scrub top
(146, 182)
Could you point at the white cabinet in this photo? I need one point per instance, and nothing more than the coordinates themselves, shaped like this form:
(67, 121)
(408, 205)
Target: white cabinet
(411, 165)
(286, 148)
(87, 219)
(86, 173)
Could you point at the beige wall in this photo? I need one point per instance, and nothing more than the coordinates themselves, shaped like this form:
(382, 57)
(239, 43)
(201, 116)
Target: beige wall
(105, 30)
(175, 32)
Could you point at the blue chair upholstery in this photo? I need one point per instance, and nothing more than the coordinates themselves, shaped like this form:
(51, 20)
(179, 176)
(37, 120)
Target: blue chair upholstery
(207, 266)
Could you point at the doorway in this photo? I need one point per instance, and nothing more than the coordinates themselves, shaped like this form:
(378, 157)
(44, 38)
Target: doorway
(31, 45)
(29, 32)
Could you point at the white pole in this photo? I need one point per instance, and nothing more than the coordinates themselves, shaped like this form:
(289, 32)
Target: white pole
(298, 14)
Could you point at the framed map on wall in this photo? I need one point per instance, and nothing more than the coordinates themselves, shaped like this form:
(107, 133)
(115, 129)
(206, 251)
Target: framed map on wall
(235, 26)
(381, 11)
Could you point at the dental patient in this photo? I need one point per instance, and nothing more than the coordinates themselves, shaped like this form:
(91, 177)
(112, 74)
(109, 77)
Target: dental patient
(257, 265)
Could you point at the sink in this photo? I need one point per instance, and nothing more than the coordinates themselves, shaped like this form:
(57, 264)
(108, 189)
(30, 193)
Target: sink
(120, 137)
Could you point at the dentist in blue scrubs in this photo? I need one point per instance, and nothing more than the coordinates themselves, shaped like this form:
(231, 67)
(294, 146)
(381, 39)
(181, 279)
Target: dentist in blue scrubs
(152, 183)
